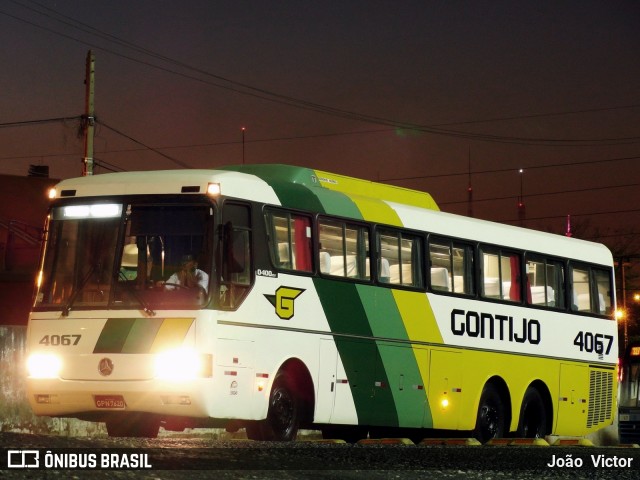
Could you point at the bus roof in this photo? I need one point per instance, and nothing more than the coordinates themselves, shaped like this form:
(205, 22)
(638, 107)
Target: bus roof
(324, 192)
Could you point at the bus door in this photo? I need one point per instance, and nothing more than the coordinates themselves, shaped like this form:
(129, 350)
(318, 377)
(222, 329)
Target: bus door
(327, 381)
(445, 390)
(405, 384)
(573, 401)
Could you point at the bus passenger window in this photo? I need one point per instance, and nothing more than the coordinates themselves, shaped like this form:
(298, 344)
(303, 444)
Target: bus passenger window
(451, 267)
(501, 275)
(441, 276)
(290, 240)
(545, 282)
(344, 249)
(581, 293)
(603, 288)
(402, 253)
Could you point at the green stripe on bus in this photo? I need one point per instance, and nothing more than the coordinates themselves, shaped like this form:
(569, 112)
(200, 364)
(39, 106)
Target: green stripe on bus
(358, 351)
(114, 335)
(297, 196)
(337, 204)
(141, 336)
(300, 188)
(406, 383)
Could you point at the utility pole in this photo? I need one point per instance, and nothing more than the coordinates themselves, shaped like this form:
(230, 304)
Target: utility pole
(521, 207)
(243, 130)
(469, 191)
(89, 119)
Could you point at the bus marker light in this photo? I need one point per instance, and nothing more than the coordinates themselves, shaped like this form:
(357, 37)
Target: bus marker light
(214, 189)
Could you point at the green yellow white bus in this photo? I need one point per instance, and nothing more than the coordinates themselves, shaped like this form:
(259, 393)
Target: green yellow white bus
(322, 302)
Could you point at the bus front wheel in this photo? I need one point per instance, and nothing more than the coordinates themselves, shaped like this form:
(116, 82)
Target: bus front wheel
(283, 417)
(491, 420)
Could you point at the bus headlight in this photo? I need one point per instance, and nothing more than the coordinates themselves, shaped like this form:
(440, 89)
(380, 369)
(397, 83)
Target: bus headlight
(182, 364)
(44, 365)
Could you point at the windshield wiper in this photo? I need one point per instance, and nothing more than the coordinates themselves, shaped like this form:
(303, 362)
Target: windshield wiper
(145, 306)
(76, 292)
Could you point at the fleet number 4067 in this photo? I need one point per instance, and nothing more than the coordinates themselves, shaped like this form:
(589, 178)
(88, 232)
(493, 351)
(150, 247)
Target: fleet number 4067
(64, 340)
(593, 342)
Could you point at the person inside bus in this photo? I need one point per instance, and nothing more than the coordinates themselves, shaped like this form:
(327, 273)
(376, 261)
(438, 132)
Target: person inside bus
(189, 275)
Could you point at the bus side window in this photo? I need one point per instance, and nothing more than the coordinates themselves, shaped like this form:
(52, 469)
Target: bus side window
(545, 282)
(501, 275)
(591, 290)
(290, 240)
(236, 268)
(451, 267)
(403, 253)
(344, 249)
(580, 292)
(602, 289)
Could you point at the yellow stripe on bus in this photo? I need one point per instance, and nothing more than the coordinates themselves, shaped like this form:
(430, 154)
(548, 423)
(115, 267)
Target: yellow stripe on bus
(358, 187)
(171, 334)
(373, 210)
(421, 326)
(418, 317)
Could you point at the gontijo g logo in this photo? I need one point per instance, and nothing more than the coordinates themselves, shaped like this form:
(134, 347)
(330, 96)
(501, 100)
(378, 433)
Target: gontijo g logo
(283, 301)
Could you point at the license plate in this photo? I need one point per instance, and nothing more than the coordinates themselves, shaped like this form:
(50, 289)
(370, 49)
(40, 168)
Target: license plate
(109, 401)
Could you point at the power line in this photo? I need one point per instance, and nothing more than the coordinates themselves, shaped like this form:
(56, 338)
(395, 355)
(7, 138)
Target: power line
(500, 170)
(174, 160)
(543, 194)
(29, 123)
(250, 90)
(588, 214)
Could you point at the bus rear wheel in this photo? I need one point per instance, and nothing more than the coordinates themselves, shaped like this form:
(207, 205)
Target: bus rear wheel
(491, 420)
(533, 415)
(283, 416)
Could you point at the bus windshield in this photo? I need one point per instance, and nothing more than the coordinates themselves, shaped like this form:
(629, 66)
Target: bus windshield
(130, 255)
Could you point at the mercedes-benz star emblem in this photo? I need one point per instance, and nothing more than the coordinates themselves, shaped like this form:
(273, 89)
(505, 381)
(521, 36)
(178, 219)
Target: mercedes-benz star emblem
(105, 367)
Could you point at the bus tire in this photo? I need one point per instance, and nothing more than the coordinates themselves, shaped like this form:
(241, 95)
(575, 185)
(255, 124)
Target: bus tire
(533, 415)
(283, 416)
(491, 420)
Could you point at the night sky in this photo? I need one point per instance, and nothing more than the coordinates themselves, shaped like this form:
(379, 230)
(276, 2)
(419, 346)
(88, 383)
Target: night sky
(412, 93)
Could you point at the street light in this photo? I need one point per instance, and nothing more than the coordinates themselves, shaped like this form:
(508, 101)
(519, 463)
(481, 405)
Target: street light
(621, 316)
